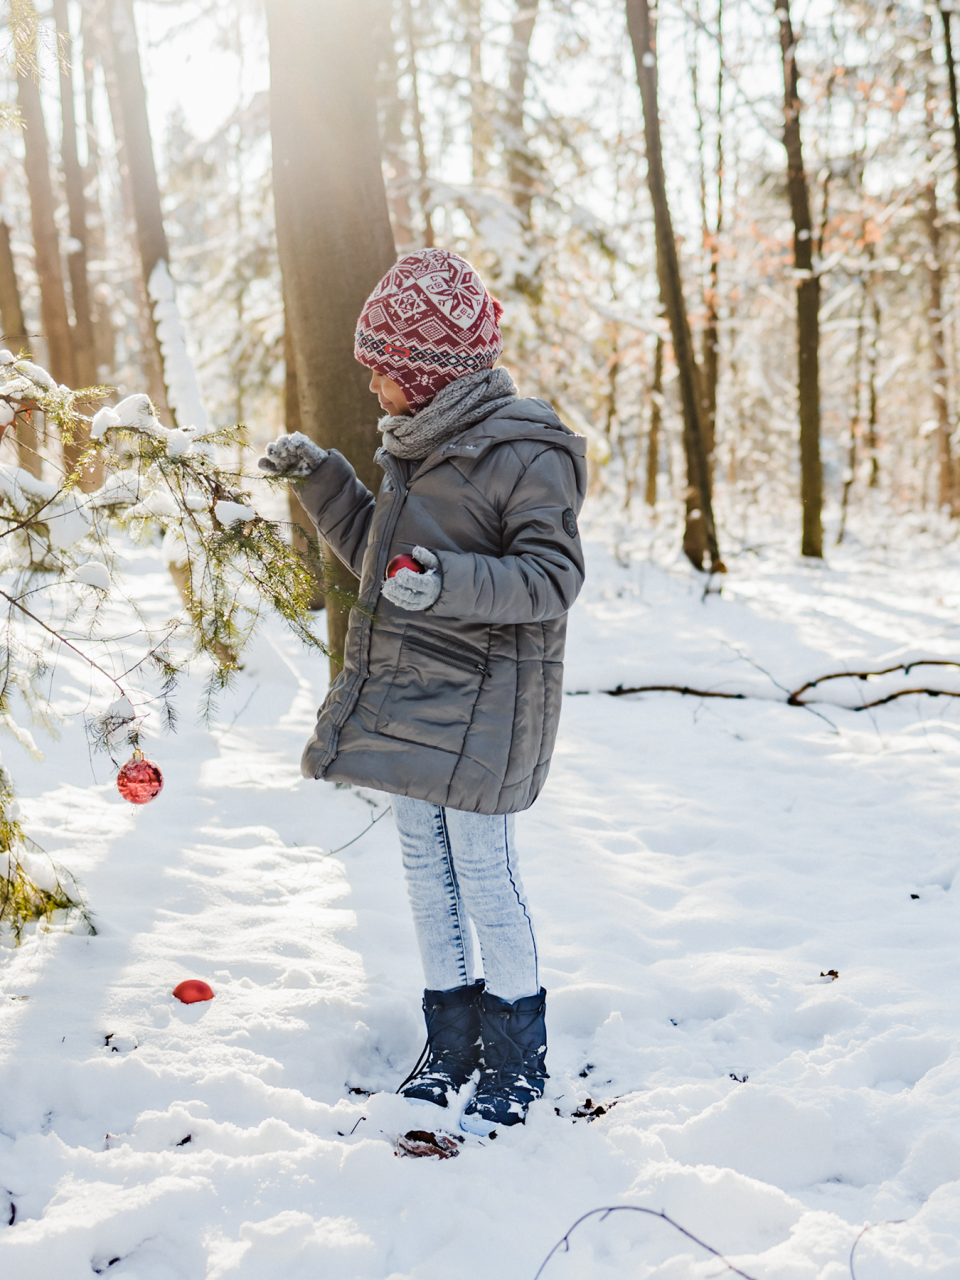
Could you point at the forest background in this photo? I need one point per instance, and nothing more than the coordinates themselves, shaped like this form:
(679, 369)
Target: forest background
(724, 234)
(513, 133)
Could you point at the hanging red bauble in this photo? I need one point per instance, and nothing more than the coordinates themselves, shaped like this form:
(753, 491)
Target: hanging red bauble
(140, 780)
(192, 991)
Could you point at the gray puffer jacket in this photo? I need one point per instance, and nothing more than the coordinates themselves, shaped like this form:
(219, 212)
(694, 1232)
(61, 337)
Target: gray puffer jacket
(457, 704)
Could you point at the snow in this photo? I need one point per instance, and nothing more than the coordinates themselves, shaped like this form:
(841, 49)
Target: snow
(94, 573)
(229, 513)
(183, 390)
(103, 420)
(694, 866)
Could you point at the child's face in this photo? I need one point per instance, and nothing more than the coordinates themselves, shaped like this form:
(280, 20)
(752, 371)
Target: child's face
(391, 397)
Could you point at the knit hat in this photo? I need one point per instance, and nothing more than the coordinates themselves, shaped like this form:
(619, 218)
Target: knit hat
(429, 320)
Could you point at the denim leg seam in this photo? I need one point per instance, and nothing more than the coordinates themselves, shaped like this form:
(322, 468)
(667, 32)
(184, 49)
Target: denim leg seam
(523, 906)
(448, 853)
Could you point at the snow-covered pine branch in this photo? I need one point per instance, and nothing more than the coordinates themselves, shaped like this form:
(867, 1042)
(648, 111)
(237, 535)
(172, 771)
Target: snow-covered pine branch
(57, 572)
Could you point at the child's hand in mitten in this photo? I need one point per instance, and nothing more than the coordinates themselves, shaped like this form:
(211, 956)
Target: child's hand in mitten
(292, 457)
(414, 591)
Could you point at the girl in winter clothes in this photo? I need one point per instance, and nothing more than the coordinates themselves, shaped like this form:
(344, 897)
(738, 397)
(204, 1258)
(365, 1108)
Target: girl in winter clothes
(451, 684)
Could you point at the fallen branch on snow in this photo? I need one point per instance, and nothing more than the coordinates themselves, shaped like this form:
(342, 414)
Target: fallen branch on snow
(796, 699)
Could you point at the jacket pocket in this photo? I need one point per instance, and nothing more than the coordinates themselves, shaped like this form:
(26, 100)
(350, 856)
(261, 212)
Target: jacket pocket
(433, 692)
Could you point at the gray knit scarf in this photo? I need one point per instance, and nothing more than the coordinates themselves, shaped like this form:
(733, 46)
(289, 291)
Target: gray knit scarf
(459, 405)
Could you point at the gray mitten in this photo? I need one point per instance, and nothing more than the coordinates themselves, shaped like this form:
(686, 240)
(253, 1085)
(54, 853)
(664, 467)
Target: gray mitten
(415, 591)
(292, 457)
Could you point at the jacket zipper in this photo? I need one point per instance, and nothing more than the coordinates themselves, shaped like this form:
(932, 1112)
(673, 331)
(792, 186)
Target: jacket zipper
(467, 663)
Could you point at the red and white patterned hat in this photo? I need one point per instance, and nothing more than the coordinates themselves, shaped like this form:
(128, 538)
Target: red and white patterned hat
(429, 320)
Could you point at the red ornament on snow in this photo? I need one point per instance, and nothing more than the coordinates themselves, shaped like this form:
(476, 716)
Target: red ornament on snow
(140, 780)
(192, 991)
(403, 562)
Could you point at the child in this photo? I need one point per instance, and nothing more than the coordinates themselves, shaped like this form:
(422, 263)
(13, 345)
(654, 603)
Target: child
(450, 690)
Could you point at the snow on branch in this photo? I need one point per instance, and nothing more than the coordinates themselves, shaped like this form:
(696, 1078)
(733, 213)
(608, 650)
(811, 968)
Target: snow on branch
(58, 549)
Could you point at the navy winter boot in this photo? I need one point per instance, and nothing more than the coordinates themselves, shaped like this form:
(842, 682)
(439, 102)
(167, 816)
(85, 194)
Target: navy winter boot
(453, 1045)
(514, 1044)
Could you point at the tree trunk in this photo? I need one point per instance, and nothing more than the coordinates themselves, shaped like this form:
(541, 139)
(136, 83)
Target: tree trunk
(808, 297)
(150, 360)
(182, 392)
(16, 338)
(946, 486)
(642, 37)
(393, 139)
(653, 439)
(46, 242)
(938, 363)
(711, 241)
(410, 31)
(856, 414)
(945, 13)
(333, 225)
(522, 164)
(480, 140)
(84, 345)
(302, 536)
(873, 407)
(104, 335)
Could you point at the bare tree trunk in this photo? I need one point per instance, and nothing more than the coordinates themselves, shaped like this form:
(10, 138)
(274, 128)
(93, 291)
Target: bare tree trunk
(333, 225)
(945, 13)
(303, 538)
(392, 113)
(15, 337)
(182, 393)
(855, 415)
(480, 140)
(653, 439)
(946, 488)
(424, 188)
(84, 345)
(521, 162)
(150, 359)
(84, 355)
(642, 37)
(873, 407)
(808, 297)
(104, 335)
(46, 242)
(710, 362)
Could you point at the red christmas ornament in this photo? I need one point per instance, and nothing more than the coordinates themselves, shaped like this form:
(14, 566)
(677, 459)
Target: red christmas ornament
(192, 991)
(140, 780)
(403, 562)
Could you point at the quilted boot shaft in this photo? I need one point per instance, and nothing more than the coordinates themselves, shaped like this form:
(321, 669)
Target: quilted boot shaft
(514, 1069)
(453, 1044)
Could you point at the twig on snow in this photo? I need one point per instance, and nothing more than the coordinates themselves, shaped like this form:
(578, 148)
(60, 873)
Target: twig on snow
(796, 699)
(564, 1241)
(906, 667)
(620, 691)
(887, 1222)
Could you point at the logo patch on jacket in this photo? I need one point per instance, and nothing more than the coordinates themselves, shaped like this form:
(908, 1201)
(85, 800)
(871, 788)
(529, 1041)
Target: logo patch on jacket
(569, 521)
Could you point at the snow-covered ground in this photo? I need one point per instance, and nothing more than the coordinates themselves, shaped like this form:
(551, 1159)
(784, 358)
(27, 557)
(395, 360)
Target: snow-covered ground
(694, 865)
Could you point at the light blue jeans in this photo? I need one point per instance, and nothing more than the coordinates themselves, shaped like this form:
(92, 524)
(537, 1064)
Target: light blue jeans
(462, 867)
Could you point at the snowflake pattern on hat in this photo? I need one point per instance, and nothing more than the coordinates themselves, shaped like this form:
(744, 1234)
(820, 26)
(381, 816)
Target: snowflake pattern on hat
(429, 320)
